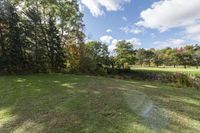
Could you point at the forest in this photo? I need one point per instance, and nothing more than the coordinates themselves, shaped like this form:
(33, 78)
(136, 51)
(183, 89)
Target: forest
(43, 37)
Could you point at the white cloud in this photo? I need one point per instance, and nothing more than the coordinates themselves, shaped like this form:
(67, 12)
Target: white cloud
(194, 37)
(192, 32)
(111, 42)
(97, 7)
(108, 30)
(125, 18)
(125, 29)
(167, 14)
(134, 41)
(88, 40)
(112, 46)
(193, 29)
(133, 30)
(106, 39)
(136, 31)
(93, 6)
(173, 43)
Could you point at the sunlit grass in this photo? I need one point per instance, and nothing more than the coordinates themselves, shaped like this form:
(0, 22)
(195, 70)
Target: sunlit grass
(70, 103)
(190, 70)
(6, 116)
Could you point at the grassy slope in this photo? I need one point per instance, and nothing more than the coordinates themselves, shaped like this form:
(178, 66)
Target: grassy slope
(191, 71)
(60, 103)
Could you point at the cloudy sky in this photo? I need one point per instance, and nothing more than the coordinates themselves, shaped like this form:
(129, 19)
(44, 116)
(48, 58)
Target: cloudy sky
(145, 23)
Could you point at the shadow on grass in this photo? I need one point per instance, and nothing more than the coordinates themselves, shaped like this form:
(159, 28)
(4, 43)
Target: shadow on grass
(60, 103)
(69, 103)
(181, 105)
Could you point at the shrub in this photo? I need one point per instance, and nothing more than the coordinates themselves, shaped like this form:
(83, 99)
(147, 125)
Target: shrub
(178, 79)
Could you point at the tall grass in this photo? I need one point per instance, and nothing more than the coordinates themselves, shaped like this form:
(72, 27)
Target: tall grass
(177, 77)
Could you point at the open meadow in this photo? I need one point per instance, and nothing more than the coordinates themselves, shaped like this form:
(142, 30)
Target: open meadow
(69, 103)
(190, 70)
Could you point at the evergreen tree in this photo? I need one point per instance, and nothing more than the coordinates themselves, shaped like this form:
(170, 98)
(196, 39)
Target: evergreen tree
(16, 59)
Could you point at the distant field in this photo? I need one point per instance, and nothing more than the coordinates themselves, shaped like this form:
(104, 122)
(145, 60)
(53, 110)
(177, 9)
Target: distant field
(57, 103)
(191, 70)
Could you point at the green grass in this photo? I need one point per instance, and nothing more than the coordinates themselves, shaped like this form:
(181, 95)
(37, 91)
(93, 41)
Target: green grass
(190, 71)
(60, 103)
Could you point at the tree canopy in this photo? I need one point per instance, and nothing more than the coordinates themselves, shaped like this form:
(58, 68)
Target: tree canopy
(35, 34)
(48, 36)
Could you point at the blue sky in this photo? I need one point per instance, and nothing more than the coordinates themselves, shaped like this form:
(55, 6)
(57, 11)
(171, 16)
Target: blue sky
(145, 23)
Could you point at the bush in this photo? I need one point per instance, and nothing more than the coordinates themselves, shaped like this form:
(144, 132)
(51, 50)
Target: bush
(182, 80)
(178, 79)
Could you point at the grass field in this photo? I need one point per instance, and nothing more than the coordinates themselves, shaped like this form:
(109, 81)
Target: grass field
(191, 70)
(68, 103)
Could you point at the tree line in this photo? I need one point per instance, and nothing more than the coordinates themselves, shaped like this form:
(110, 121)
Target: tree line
(48, 36)
(36, 35)
(185, 56)
(126, 55)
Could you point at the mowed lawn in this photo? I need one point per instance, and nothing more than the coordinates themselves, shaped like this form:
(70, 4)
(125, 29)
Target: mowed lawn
(189, 71)
(58, 103)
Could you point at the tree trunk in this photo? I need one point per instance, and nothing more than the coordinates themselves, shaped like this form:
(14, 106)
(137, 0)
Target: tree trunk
(112, 65)
(123, 66)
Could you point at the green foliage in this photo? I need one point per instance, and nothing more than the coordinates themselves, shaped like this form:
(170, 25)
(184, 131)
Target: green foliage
(164, 75)
(183, 79)
(186, 56)
(34, 37)
(56, 50)
(157, 60)
(196, 58)
(149, 55)
(140, 55)
(124, 54)
(96, 57)
(47, 36)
